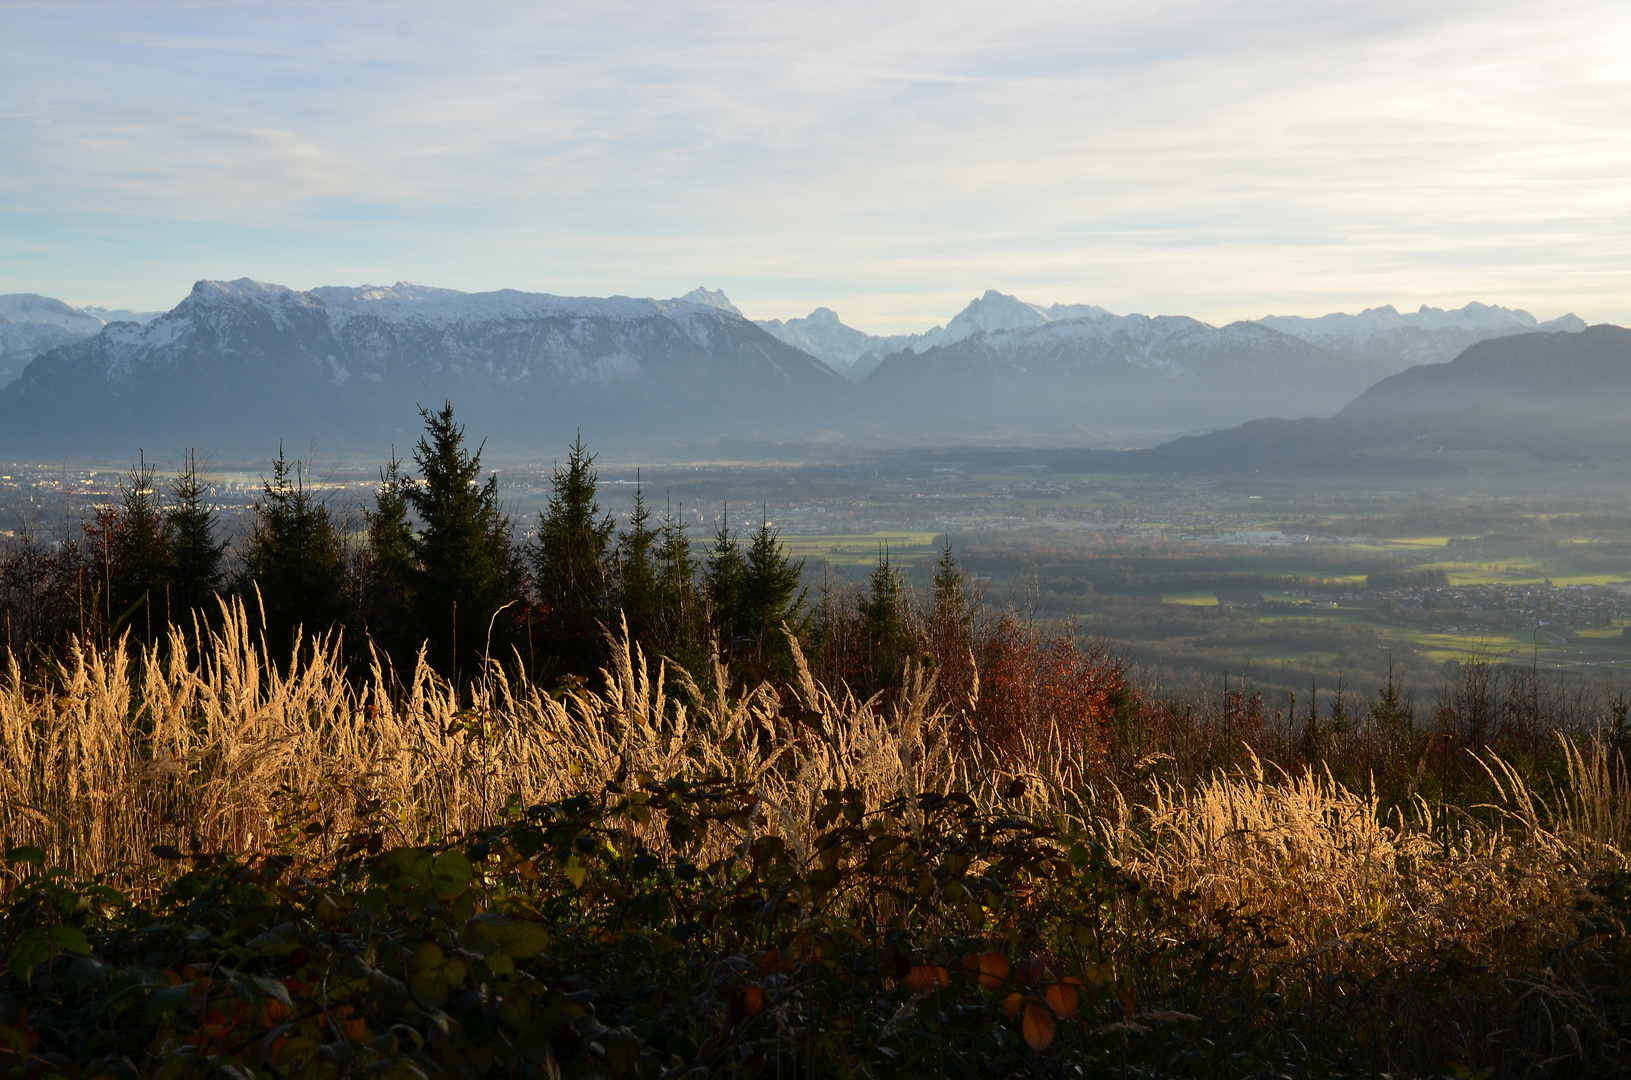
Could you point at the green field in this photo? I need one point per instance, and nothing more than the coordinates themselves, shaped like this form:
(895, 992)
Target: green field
(861, 549)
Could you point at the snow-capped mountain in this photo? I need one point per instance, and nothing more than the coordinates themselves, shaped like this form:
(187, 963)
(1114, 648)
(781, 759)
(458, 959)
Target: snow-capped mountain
(844, 348)
(108, 315)
(714, 298)
(856, 353)
(31, 325)
(238, 365)
(1426, 336)
(1119, 374)
(998, 311)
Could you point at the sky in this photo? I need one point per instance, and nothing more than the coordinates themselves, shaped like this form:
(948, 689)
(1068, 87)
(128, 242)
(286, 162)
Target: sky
(889, 160)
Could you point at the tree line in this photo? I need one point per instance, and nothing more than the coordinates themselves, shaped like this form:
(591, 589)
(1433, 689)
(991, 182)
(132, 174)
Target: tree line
(437, 564)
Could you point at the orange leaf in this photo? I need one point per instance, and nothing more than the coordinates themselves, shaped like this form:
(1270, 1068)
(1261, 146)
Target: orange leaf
(1038, 1027)
(771, 962)
(994, 968)
(753, 999)
(1061, 998)
(926, 978)
(1011, 1004)
(356, 1028)
(1126, 999)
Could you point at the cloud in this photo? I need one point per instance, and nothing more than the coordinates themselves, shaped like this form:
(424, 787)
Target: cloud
(891, 160)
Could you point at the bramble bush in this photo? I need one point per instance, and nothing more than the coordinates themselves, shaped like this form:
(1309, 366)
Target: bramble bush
(593, 936)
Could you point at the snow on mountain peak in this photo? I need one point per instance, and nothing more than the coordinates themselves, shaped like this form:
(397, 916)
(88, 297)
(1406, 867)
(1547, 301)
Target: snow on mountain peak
(703, 296)
(997, 311)
(43, 310)
(1425, 336)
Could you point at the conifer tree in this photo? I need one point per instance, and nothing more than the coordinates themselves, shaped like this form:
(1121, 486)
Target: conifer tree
(140, 565)
(464, 572)
(196, 570)
(948, 594)
(636, 559)
(295, 559)
(389, 567)
(883, 613)
(723, 573)
(753, 594)
(771, 597)
(676, 566)
(569, 559)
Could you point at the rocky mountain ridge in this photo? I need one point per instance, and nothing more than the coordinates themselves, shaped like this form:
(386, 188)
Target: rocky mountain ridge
(237, 365)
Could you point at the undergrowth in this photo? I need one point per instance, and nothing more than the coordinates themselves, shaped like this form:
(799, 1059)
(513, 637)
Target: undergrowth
(228, 867)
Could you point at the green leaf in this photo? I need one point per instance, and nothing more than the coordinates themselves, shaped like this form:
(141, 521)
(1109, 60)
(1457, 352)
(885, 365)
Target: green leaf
(450, 874)
(70, 939)
(425, 956)
(429, 988)
(575, 872)
(26, 853)
(32, 949)
(516, 939)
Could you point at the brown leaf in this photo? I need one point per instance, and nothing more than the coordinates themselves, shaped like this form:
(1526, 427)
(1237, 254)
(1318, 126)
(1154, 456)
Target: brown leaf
(994, 968)
(1061, 998)
(1038, 1026)
(926, 978)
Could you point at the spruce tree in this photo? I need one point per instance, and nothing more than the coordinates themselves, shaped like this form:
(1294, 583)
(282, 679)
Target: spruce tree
(683, 619)
(636, 559)
(569, 560)
(389, 567)
(295, 560)
(883, 614)
(771, 597)
(140, 566)
(723, 574)
(463, 549)
(196, 570)
(948, 594)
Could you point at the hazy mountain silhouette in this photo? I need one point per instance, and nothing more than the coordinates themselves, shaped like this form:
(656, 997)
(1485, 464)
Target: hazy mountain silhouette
(1116, 374)
(1527, 371)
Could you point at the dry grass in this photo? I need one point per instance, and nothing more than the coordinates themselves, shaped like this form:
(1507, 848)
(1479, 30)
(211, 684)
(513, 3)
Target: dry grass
(126, 751)
(1365, 905)
(122, 752)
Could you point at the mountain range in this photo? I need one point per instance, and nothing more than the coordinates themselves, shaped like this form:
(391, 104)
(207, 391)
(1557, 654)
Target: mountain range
(31, 325)
(238, 365)
(1559, 398)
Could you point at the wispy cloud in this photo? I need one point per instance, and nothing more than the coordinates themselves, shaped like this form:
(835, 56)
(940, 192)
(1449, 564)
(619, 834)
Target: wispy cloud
(1220, 159)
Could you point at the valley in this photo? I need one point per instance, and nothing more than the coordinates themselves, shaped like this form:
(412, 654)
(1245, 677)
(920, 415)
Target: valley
(1188, 578)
